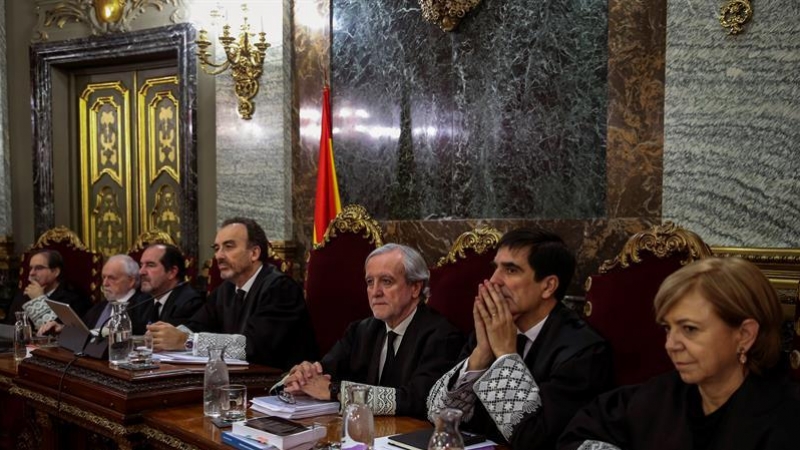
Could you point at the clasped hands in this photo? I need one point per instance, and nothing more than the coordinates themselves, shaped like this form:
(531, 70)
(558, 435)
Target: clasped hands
(308, 378)
(495, 329)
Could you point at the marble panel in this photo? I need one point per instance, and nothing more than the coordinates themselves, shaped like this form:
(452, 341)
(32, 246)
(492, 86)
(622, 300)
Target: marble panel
(5, 151)
(503, 118)
(636, 38)
(732, 125)
(253, 157)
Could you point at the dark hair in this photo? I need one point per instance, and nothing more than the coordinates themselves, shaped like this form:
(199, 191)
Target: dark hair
(172, 257)
(54, 260)
(738, 290)
(547, 255)
(255, 234)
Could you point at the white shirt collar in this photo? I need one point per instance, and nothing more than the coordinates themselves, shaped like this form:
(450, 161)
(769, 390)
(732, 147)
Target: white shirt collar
(400, 329)
(533, 332)
(126, 297)
(249, 283)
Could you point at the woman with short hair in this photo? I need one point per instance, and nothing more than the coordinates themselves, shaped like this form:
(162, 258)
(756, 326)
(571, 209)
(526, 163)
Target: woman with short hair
(722, 320)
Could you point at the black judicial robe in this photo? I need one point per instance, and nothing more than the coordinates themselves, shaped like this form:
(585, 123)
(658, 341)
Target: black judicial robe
(180, 306)
(273, 318)
(567, 366)
(663, 413)
(62, 294)
(429, 347)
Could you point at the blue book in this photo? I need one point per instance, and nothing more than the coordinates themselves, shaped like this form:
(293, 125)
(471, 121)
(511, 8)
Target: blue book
(243, 443)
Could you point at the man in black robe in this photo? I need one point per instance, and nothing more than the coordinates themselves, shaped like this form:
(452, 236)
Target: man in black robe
(400, 351)
(45, 282)
(257, 314)
(531, 362)
(163, 277)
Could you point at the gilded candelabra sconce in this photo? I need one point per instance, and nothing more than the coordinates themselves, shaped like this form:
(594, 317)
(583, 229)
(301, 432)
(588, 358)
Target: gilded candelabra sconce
(446, 13)
(734, 14)
(243, 56)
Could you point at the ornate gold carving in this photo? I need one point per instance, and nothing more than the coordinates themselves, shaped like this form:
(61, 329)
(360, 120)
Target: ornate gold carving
(102, 16)
(108, 229)
(162, 141)
(60, 234)
(166, 214)
(243, 57)
(446, 13)
(734, 14)
(150, 237)
(794, 358)
(481, 239)
(797, 327)
(780, 265)
(587, 309)
(170, 441)
(353, 219)
(661, 241)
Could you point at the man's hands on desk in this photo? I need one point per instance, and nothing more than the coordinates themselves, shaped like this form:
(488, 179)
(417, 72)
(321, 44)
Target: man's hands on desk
(166, 337)
(308, 378)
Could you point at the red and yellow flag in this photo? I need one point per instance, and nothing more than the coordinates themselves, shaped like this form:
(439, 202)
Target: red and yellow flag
(327, 204)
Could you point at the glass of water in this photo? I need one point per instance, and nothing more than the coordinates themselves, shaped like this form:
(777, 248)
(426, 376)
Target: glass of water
(233, 402)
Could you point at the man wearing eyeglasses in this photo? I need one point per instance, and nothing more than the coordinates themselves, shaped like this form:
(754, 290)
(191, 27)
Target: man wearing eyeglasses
(45, 282)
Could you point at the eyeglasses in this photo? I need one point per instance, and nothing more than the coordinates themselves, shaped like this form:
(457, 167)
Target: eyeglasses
(286, 397)
(39, 268)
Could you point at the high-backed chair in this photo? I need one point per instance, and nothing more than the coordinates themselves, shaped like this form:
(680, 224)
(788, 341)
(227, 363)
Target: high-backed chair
(213, 278)
(454, 280)
(336, 293)
(156, 236)
(620, 298)
(82, 267)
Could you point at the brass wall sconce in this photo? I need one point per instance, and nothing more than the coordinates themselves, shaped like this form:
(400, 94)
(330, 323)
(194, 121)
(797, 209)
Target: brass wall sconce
(446, 13)
(243, 56)
(734, 14)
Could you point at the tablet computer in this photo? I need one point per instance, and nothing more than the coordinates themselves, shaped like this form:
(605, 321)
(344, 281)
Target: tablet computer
(67, 315)
(75, 334)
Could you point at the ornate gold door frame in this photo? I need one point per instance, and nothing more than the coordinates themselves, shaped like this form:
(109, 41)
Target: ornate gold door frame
(47, 58)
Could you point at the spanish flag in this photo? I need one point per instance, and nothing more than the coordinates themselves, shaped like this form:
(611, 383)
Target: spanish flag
(327, 204)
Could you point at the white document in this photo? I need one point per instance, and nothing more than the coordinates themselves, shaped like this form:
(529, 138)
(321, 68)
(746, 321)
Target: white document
(303, 407)
(188, 358)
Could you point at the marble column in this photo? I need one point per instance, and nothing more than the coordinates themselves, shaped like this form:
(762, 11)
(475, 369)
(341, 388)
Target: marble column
(254, 175)
(7, 259)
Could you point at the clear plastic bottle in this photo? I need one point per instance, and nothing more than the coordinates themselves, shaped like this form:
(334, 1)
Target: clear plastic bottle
(358, 424)
(446, 434)
(22, 335)
(120, 334)
(216, 376)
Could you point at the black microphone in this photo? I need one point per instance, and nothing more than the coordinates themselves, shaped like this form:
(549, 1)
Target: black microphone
(96, 338)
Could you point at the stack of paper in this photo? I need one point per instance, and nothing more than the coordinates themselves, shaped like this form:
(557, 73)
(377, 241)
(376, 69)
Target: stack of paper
(303, 407)
(188, 358)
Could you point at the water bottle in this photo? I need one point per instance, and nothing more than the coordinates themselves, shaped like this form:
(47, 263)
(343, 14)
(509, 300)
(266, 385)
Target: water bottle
(358, 425)
(120, 334)
(22, 336)
(215, 377)
(446, 435)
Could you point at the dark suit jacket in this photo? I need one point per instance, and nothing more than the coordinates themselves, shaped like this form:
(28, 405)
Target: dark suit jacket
(138, 326)
(662, 413)
(62, 294)
(429, 348)
(180, 306)
(570, 363)
(273, 318)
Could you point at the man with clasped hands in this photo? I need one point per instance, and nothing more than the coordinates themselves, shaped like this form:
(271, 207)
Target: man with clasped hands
(400, 351)
(531, 362)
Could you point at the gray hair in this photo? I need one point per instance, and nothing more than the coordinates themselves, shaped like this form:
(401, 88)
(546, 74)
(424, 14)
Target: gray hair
(414, 266)
(129, 265)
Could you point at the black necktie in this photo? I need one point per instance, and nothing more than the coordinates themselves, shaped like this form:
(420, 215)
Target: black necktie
(240, 294)
(156, 312)
(522, 340)
(389, 361)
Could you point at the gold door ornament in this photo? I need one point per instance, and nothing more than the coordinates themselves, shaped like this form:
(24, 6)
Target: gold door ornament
(734, 14)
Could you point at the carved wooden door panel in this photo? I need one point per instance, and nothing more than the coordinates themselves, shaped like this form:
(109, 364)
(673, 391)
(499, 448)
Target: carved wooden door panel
(129, 153)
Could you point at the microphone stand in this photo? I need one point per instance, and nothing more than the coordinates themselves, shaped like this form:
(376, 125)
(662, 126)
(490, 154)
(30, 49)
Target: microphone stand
(96, 346)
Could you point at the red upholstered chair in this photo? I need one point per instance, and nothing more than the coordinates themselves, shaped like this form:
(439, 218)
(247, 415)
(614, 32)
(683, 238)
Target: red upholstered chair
(794, 356)
(213, 278)
(454, 280)
(620, 298)
(82, 267)
(156, 236)
(335, 290)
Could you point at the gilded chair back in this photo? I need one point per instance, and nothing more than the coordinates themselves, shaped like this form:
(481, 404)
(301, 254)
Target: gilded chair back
(82, 267)
(335, 290)
(454, 280)
(620, 298)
